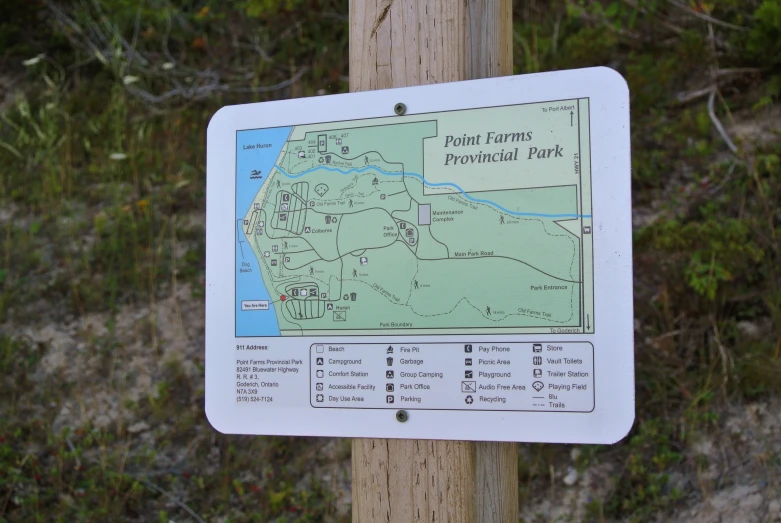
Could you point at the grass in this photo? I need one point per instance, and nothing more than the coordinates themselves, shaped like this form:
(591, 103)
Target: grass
(102, 243)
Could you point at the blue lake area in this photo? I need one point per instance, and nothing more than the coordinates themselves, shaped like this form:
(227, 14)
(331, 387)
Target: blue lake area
(256, 153)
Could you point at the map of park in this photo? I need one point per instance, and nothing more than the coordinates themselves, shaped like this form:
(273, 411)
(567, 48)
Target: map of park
(467, 221)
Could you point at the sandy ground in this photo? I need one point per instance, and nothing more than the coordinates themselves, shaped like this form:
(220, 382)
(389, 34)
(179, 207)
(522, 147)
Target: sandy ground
(740, 480)
(739, 483)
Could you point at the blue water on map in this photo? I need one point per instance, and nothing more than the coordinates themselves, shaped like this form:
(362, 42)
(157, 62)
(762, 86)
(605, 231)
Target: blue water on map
(430, 184)
(249, 285)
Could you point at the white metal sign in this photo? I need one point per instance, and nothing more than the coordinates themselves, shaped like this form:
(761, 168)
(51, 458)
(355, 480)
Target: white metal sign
(441, 262)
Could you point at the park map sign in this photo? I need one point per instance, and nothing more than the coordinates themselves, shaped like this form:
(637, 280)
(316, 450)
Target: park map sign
(461, 270)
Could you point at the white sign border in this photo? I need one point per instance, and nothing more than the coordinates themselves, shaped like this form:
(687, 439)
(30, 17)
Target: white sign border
(614, 413)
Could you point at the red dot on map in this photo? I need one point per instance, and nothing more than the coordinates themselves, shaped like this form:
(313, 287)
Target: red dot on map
(283, 297)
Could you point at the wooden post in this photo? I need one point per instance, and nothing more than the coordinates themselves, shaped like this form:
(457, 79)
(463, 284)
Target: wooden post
(399, 43)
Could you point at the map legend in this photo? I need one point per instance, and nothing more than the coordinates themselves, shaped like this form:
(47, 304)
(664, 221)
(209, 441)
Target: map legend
(544, 377)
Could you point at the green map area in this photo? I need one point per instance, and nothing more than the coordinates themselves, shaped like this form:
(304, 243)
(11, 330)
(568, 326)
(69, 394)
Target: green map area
(473, 221)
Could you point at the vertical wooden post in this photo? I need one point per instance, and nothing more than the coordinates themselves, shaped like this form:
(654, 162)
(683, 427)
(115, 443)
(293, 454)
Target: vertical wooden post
(399, 43)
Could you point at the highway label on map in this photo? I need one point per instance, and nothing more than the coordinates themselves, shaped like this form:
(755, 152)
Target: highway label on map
(467, 264)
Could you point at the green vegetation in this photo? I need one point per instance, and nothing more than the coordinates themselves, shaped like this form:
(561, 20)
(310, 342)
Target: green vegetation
(102, 188)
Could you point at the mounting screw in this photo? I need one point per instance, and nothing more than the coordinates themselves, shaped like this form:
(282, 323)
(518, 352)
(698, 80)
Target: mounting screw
(399, 109)
(402, 416)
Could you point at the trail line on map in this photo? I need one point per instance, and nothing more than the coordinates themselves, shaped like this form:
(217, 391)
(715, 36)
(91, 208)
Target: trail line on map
(443, 184)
